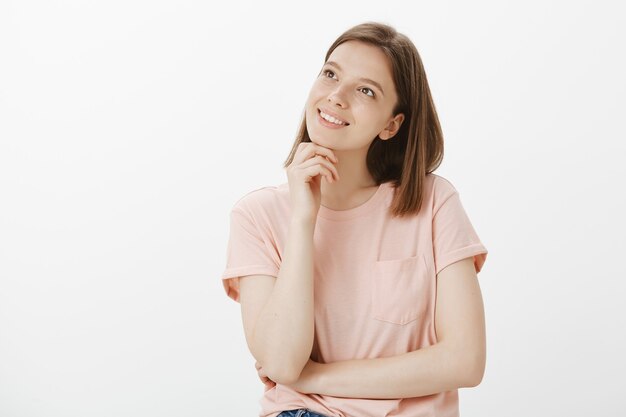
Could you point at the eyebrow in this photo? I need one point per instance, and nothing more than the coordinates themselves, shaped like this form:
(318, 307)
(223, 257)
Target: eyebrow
(367, 80)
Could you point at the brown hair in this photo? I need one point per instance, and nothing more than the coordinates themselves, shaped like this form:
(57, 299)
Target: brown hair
(417, 148)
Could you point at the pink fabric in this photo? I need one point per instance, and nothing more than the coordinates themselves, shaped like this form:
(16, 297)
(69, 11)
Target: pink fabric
(375, 282)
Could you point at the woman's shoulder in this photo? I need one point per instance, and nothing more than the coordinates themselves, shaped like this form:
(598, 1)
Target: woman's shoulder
(440, 186)
(262, 198)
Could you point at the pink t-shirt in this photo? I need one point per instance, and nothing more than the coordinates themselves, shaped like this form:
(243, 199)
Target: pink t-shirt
(374, 283)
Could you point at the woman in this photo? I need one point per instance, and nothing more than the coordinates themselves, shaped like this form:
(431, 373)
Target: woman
(357, 278)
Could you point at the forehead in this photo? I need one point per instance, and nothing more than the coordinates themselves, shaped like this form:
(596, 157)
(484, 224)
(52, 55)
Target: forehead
(360, 59)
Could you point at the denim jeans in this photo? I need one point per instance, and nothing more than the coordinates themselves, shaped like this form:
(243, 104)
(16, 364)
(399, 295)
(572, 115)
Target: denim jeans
(300, 412)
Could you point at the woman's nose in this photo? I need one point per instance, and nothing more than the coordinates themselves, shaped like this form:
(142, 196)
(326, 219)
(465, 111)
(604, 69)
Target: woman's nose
(337, 97)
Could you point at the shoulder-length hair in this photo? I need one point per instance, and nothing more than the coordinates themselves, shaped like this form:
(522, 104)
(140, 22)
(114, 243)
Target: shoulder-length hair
(417, 148)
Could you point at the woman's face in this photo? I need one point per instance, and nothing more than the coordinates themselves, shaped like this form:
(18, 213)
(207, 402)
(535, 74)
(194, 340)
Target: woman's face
(356, 86)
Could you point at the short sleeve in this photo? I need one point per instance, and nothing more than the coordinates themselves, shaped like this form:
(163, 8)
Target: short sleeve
(454, 237)
(249, 252)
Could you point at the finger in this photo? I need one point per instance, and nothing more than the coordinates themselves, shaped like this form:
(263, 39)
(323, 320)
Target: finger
(321, 161)
(308, 150)
(315, 170)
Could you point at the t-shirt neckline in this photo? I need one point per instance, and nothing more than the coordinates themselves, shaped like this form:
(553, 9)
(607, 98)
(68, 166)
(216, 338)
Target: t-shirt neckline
(358, 211)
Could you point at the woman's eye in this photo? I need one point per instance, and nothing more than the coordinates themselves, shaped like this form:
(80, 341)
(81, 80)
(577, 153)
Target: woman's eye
(326, 72)
(370, 90)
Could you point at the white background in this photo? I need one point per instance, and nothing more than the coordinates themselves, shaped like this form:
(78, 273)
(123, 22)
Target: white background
(129, 129)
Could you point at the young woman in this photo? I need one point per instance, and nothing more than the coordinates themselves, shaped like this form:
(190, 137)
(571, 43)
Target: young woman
(357, 278)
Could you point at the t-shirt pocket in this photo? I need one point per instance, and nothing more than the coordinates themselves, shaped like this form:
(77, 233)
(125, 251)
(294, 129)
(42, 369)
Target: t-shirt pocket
(400, 289)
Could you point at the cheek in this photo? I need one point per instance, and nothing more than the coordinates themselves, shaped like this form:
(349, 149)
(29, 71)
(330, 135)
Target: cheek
(367, 113)
(374, 122)
(315, 94)
(318, 90)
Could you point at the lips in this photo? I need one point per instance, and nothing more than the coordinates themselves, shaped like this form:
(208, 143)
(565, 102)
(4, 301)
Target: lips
(329, 125)
(333, 115)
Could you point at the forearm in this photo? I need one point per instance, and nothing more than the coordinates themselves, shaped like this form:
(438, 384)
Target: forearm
(426, 371)
(284, 330)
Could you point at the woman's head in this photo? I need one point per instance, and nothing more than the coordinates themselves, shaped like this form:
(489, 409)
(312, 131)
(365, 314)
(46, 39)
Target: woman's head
(395, 121)
(355, 86)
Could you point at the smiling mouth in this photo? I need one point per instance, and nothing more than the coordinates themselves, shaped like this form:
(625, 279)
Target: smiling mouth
(319, 112)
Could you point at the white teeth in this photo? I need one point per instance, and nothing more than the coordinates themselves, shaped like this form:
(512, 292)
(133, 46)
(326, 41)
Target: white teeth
(331, 118)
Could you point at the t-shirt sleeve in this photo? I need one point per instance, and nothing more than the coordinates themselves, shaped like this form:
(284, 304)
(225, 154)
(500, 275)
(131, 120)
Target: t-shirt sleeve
(249, 252)
(454, 237)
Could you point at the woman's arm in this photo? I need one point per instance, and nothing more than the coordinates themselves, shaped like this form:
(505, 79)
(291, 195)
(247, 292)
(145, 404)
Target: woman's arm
(282, 335)
(457, 360)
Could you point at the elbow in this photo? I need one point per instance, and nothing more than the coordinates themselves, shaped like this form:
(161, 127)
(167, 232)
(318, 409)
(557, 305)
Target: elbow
(473, 371)
(286, 379)
(282, 371)
(467, 365)
(281, 367)
(474, 379)
(283, 375)
(276, 369)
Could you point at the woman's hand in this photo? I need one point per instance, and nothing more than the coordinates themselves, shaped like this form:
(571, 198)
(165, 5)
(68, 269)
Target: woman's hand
(307, 382)
(310, 163)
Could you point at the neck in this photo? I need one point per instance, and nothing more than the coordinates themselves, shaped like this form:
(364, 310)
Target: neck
(355, 184)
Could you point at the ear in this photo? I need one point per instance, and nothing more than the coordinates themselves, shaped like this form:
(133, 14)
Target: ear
(392, 127)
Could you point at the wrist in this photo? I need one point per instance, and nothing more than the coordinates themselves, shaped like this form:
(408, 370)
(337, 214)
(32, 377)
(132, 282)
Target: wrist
(298, 219)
